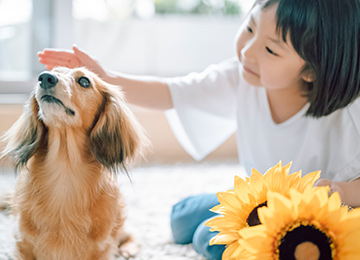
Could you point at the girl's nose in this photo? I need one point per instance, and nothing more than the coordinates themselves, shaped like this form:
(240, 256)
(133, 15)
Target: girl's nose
(248, 51)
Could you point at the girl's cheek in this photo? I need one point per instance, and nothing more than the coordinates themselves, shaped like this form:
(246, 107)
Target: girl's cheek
(268, 75)
(241, 40)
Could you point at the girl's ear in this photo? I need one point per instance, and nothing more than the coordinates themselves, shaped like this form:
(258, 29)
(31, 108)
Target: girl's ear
(116, 138)
(308, 75)
(23, 139)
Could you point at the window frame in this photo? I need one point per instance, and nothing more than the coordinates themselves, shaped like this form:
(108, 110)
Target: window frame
(50, 24)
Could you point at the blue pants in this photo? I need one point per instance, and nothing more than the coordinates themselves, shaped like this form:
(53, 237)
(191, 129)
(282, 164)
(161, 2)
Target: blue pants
(188, 219)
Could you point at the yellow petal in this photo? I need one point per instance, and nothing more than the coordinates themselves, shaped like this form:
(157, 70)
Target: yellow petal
(241, 189)
(223, 239)
(229, 201)
(233, 251)
(309, 179)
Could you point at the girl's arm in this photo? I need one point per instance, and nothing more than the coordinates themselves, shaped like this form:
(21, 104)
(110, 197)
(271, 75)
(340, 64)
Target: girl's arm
(348, 191)
(150, 92)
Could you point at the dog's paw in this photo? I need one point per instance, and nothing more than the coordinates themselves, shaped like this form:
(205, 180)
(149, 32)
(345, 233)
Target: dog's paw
(129, 248)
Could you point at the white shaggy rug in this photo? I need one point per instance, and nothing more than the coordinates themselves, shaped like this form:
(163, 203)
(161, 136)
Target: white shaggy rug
(149, 199)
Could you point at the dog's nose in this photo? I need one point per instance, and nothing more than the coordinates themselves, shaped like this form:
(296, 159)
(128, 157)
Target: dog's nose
(47, 80)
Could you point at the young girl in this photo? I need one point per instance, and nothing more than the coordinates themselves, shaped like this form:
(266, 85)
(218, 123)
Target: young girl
(290, 94)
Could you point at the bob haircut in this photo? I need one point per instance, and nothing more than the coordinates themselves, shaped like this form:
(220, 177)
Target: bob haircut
(326, 35)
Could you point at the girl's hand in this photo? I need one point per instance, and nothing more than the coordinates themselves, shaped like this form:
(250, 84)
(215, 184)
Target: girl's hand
(52, 58)
(334, 186)
(349, 191)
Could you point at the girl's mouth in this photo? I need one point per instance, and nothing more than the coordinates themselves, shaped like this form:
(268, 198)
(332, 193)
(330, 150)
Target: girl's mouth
(250, 71)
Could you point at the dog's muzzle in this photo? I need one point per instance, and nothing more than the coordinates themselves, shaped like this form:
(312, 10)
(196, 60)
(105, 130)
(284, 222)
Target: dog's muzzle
(48, 80)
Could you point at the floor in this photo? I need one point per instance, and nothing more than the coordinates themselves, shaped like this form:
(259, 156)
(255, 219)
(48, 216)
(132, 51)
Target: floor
(149, 197)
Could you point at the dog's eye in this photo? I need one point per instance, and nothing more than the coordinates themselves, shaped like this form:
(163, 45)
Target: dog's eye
(84, 82)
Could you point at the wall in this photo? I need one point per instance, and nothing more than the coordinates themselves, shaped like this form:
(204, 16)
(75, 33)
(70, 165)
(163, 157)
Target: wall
(162, 46)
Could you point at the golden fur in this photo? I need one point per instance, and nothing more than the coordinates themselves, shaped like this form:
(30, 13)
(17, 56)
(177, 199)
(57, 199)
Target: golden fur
(66, 197)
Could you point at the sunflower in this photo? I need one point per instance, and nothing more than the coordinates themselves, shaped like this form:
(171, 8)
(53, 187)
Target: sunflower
(239, 207)
(308, 225)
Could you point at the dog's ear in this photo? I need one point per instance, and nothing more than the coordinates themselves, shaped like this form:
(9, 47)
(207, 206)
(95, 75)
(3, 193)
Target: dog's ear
(22, 140)
(116, 139)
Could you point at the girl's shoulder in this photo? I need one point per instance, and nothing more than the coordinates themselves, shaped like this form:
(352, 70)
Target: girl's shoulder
(353, 110)
(339, 136)
(342, 124)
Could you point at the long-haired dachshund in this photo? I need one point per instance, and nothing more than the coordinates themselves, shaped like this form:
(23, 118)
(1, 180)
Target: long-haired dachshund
(75, 132)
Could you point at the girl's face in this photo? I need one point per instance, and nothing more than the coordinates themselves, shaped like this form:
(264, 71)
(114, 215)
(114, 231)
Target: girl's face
(266, 59)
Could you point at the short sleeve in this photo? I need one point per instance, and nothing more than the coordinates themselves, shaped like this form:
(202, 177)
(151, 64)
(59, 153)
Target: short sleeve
(204, 113)
(351, 169)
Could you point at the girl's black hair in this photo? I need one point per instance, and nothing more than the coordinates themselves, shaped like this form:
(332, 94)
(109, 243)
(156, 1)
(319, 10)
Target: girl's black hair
(326, 35)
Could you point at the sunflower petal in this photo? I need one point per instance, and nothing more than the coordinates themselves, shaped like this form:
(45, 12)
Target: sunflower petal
(309, 179)
(229, 201)
(292, 201)
(224, 239)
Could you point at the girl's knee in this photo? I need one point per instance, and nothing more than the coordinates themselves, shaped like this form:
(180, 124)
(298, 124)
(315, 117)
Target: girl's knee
(188, 214)
(201, 241)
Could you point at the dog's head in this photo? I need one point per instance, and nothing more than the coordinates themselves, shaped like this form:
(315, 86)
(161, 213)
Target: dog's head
(78, 99)
(71, 97)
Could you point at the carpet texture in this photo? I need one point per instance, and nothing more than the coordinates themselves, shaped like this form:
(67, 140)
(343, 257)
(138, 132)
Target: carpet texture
(149, 199)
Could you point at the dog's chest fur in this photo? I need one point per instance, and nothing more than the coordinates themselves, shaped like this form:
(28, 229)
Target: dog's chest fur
(59, 200)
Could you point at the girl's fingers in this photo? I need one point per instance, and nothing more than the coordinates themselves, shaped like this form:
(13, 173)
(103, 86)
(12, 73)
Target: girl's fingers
(56, 50)
(80, 54)
(334, 187)
(52, 62)
(53, 59)
(59, 57)
(59, 54)
(83, 57)
(323, 182)
(49, 67)
(69, 58)
(48, 63)
(76, 49)
(89, 62)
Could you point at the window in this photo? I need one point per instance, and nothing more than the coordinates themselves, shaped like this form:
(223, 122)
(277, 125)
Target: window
(23, 32)
(222, 7)
(132, 36)
(15, 39)
(101, 10)
(158, 37)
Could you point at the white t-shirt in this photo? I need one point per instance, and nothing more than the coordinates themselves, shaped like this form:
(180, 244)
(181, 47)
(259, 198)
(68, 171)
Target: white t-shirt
(212, 105)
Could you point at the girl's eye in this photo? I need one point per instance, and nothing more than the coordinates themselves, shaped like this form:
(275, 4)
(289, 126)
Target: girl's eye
(249, 29)
(270, 51)
(84, 82)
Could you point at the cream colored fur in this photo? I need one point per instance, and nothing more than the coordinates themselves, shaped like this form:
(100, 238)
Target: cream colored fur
(67, 199)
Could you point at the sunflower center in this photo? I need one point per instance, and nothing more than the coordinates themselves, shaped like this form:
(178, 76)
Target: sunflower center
(253, 218)
(307, 251)
(304, 240)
